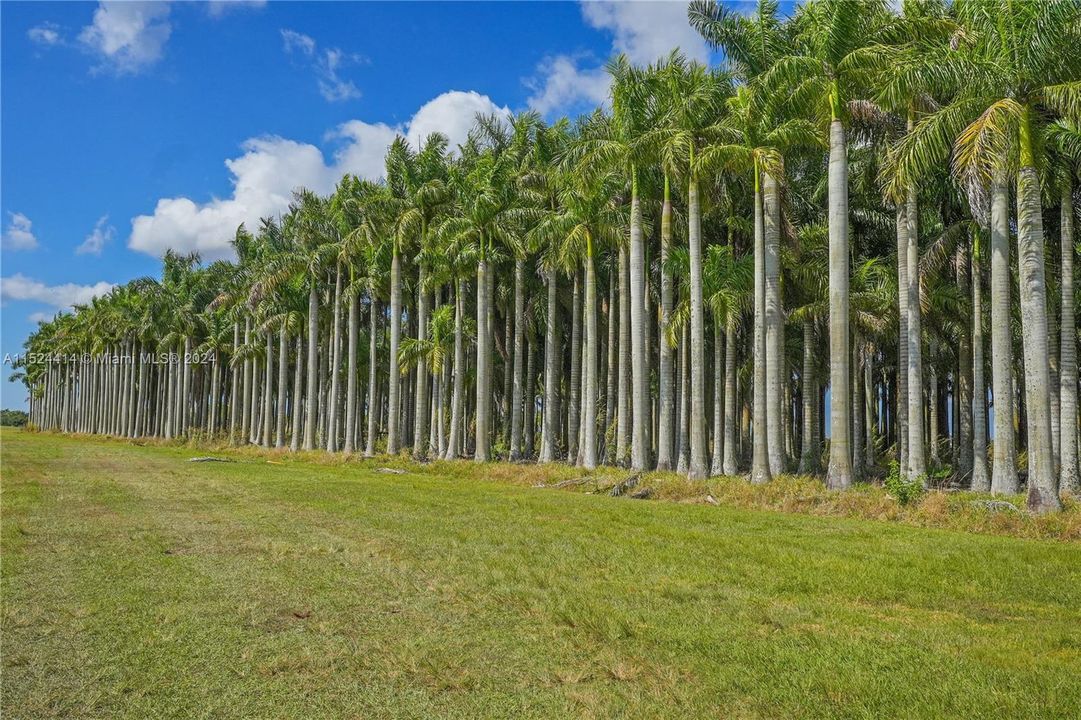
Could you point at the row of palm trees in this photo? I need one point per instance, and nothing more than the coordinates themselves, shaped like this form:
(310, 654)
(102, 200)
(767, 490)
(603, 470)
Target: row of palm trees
(680, 282)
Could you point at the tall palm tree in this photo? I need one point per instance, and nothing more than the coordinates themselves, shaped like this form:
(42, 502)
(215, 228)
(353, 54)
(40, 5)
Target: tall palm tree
(825, 75)
(682, 138)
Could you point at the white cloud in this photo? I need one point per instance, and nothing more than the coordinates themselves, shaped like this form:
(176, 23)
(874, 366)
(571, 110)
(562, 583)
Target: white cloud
(263, 180)
(265, 175)
(647, 31)
(94, 243)
(20, 287)
(326, 64)
(298, 41)
(45, 34)
(217, 8)
(19, 233)
(39, 317)
(452, 114)
(128, 36)
(365, 147)
(565, 85)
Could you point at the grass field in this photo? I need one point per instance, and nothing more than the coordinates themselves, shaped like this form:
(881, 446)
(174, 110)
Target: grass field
(138, 585)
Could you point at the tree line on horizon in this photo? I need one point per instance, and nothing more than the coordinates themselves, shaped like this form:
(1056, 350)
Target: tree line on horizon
(875, 205)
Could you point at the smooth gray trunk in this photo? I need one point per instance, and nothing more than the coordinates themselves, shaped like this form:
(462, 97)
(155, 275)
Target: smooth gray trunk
(760, 465)
(454, 442)
(519, 359)
(484, 350)
(1004, 469)
(917, 462)
(394, 377)
(774, 318)
(698, 468)
(666, 395)
(550, 425)
(640, 433)
(839, 474)
(1042, 480)
(311, 393)
(981, 476)
(1069, 472)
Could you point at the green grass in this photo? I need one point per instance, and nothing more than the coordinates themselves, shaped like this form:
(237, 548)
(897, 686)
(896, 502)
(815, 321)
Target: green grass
(136, 585)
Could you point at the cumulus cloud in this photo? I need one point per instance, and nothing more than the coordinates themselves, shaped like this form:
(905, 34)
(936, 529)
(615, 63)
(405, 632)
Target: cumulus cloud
(644, 31)
(128, 36)
(62, 297)
(564, 84)
(647, 31)
(452, 114)
(265, 176)
(19, 234)
(45, 34)
(94, 243)
(326, 63)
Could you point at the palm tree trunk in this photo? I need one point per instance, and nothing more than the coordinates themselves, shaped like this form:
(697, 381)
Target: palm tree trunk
(454, 442)
(573, 390)
(373, 374)
(857, 411)
(623, 405)
(760, 465)
(491, 354)
(530, 399)
(963, 384)
(484, 349)
(868, 408)
(699, 466)
(917, 462)
(234, 391)
(683, 460)
(932, 419)
(283, 384)
(312, 394)
(335, 364)
(613, 365)
(298, 390)
(1004, 470)
(902, 340)
(1069, 474)
(589, 421)
(981, 477)
(508, 371)
(394, 379)
(550, 425)
(717, 461)
(640, 438)
(1042, 480)
(809, 450)
(666, 395)
(730, 467)
(519, 359)
(774, 311)
(268, 397)
(420, 407)
(839, 474)
(351, 373)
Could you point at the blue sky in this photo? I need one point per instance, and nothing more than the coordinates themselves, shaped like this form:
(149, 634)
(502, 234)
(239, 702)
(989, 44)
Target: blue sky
(130, 128)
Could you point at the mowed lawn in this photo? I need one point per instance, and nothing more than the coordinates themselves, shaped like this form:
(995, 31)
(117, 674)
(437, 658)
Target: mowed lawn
(139, 585)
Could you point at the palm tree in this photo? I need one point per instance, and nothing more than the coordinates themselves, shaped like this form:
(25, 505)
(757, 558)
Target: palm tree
(688, 128)
(825, 75)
